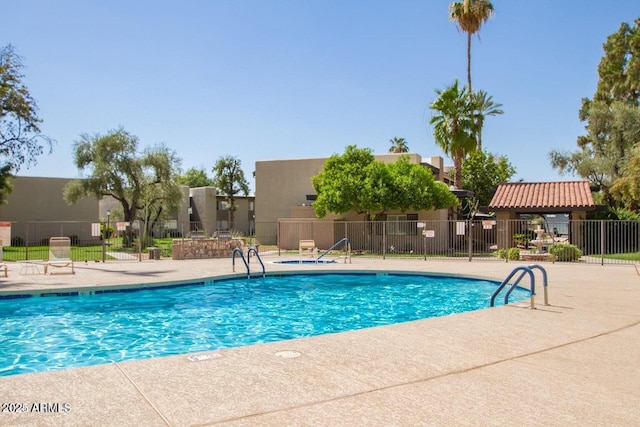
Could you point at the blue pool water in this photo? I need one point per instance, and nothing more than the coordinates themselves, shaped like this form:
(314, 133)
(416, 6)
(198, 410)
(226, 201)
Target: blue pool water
(50, 333)
(306, 261)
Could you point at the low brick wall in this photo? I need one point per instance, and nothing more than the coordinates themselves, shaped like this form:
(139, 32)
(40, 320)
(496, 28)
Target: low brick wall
(204, 248)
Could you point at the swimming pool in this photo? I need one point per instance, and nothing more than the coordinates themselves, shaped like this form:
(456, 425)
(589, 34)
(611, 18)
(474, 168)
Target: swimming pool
(306, 261)
(51, 333)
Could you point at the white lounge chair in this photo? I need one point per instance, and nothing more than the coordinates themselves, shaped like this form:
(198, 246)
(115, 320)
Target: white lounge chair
(307, 248)
(59, 254)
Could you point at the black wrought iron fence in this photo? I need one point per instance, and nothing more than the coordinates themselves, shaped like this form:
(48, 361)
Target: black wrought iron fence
(589, 241)
(96, 241)
(604, 242)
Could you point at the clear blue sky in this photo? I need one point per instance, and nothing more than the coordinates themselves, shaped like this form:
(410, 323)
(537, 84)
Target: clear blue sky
(286, 79)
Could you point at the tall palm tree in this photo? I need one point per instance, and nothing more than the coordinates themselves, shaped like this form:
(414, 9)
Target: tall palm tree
(398, 145)
(484, 107)
(469, 15)
(455, 125)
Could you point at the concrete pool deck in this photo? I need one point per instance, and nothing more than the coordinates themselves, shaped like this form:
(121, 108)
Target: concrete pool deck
(574, 362)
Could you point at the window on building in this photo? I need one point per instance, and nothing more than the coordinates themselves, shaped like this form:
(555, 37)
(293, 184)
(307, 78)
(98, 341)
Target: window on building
(399, 225)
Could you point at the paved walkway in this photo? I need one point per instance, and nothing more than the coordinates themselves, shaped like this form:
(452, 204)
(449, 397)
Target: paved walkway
(574, 362)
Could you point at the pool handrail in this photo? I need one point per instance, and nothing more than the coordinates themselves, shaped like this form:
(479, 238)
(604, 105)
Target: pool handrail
(255, 251)
(233, 261)
(524, 270)
(346, 241)
(544, 280)
(504, 283)
(544, 284)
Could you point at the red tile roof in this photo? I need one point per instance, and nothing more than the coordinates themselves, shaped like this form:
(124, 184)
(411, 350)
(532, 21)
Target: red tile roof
(543, 196)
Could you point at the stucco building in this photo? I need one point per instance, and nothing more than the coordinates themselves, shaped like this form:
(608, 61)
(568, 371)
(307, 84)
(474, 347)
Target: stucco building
(284, 194)
(36, 210)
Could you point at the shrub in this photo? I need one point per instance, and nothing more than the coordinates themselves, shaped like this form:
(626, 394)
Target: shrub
(106, 231)
(237, 234)
(520, 239)
(511, 253)
(565, 252)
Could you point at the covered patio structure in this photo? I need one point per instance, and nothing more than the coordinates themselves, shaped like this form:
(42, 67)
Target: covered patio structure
(512, 200)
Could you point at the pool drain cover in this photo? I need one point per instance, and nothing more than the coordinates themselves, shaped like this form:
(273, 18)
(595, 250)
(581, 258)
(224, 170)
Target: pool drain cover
(288, 354)
(201, 357)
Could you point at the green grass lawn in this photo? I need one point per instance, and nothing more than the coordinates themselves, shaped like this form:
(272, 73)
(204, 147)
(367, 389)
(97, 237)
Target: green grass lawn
(165, 245)
(78, 253)
(81, 253)
(628, 256)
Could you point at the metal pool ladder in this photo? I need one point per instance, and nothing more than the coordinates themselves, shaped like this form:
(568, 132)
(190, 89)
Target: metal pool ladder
(247, 260)
(347, 242)
(524, 271)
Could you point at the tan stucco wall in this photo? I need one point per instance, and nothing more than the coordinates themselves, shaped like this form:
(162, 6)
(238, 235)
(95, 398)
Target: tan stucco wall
(204, 208)
(36, 199)
(291, 231)
(282, 185)
(40, 199)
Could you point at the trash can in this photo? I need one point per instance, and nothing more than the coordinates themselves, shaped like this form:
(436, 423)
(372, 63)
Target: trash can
(154, 253)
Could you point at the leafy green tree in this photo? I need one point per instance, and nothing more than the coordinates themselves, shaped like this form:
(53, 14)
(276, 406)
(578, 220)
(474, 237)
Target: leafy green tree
(398, 145)
(612, 133)
(413, 187)
(163, 197)
(483, 172)
(6, 187)
(340, 185)
(485, 107)
(455, 125)
(229, 180)
(612, 117)
(194, 178)
(469, 15)
(626, 189)
(619, 68)
(145, 184)
(355, 181)
(20, 139)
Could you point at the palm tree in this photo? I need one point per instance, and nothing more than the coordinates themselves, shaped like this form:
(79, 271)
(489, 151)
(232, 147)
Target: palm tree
(484, 107)
(398, 145)
(469, 15)
(455, 125)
